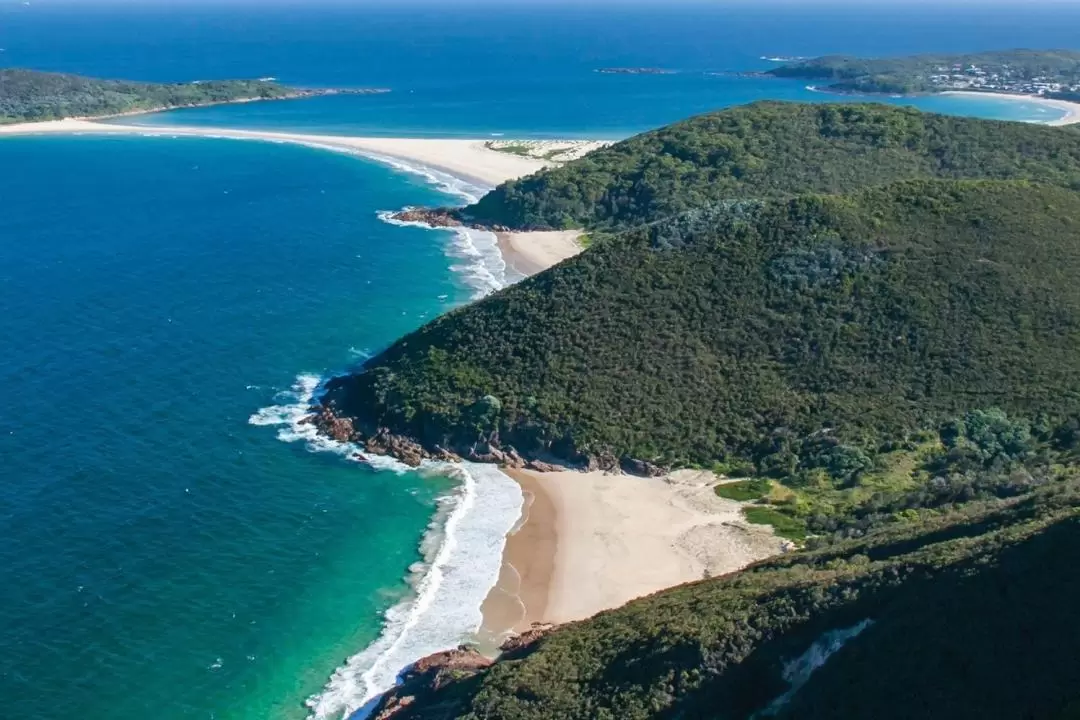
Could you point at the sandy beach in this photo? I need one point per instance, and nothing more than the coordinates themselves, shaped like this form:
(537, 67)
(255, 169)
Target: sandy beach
(591, 541)
(533, 252)
(467, 159)
(1072, 109)
(473, 160)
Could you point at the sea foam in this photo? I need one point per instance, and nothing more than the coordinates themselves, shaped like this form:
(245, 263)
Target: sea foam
(463, 545)
(462, 551)
(476, 253)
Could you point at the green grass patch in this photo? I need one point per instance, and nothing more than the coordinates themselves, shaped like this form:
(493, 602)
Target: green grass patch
(782, 525)
(744, 490)
(521, 150)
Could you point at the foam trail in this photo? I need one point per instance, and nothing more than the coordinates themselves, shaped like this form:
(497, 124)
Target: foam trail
(462, 551)
(445, 611)
(482, 266)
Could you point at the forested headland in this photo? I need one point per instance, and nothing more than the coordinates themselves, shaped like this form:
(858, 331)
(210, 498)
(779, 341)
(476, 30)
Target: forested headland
(32, 96)
(1014, 71)
(868, 316)
(773, 150)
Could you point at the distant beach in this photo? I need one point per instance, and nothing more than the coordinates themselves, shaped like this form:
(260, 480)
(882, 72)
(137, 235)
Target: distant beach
(467, 159)
(1071, 109)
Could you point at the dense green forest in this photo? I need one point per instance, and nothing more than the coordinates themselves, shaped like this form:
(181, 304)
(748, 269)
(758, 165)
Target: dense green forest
(30, 96)
(870, 316)
(772, 149)
(823, 341)
(961, 614)
(1006, 70)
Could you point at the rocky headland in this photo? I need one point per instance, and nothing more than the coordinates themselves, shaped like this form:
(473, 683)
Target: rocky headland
(434, 672)
(485, 448)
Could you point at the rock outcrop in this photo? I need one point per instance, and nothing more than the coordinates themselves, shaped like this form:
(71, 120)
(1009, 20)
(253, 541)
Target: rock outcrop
(488, 448)
(443, 218)
(430, 674)
(427, 676)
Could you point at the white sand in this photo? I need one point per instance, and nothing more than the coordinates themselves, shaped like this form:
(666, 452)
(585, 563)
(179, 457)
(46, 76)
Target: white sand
(556, 151)
(620, 537)
(469, 159)
(1071, 109)
(532, 252)
(474, 160)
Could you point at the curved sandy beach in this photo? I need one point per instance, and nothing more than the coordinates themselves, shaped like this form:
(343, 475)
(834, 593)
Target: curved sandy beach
(1072, 109)
(473, 160)
(587, 541)
(468, 159)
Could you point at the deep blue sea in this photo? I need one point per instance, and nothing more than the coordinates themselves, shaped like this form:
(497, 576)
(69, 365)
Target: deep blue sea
(170, 544)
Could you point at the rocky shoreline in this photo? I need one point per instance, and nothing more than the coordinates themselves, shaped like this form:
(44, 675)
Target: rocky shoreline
(488, 449)
(429, 674)
(444, 218)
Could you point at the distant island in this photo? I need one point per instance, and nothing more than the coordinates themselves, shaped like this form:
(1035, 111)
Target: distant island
(1053, 74)
(33, 96)
(635, 71)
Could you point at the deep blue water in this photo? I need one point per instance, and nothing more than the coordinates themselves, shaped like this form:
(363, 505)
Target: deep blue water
(160, 554)
(519, 69)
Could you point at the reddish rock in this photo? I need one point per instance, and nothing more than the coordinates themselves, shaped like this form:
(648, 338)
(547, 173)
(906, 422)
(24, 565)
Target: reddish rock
(522, 644)
(338, 428)
(427, 676)
(436, 217)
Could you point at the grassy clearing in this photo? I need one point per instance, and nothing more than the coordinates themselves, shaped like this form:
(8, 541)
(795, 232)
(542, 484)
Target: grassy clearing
(744, 490)
(782, 525)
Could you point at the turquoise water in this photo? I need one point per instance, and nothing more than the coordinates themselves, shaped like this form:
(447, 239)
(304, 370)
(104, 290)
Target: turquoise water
(170, 304)
(161, 554)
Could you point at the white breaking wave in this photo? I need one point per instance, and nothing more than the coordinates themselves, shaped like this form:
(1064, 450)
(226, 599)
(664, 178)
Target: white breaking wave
(462, 552)
(481, 265)
(445, 611)
(463, 545)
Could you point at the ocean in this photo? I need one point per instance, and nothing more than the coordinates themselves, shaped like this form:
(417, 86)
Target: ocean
(173, 542)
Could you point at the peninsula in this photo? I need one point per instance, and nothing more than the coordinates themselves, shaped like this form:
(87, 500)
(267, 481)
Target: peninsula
(858, 322)
(32, 96)
(1050, 74)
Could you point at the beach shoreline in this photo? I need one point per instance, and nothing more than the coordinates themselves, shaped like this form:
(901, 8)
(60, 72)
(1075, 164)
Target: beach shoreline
(591, 541)
(469, 160)
(1072, 109)
(532, 252)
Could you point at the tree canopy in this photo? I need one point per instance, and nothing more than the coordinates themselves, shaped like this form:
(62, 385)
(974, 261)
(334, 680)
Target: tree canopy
(31, 96)
(773, 150)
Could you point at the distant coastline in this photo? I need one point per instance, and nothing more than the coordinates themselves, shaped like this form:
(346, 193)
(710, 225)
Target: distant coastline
(30, 96)
(1071, 109)
(297, 95)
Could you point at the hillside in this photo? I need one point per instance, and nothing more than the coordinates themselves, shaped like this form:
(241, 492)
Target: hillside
(31, 96)
(821, 340)
(962, 614)
(771, 150)
(876, 326)
(1002, 71)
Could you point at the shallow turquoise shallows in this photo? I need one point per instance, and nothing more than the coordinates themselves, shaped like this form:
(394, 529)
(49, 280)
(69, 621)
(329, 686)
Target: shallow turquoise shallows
(161, 557)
